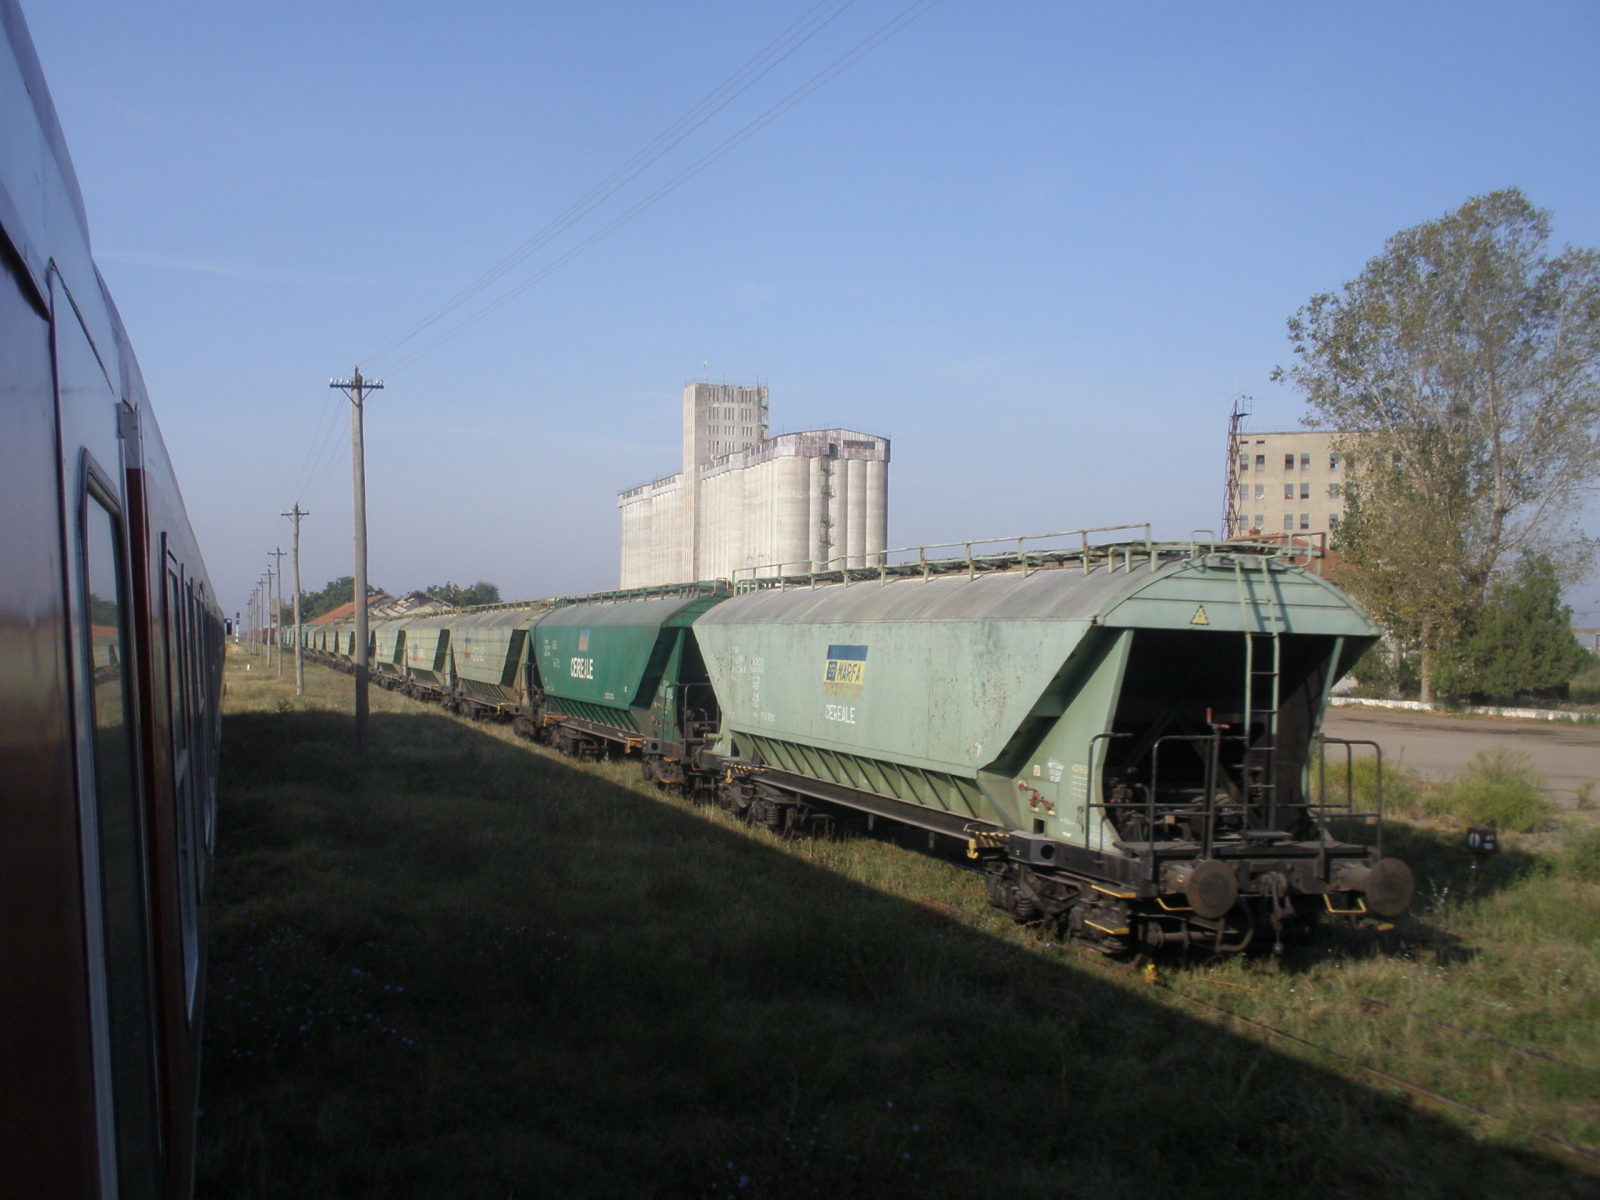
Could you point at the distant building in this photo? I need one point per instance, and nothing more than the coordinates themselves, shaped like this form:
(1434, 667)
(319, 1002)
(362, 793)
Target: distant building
(745, 501)
(1285, 483)
(348, 609)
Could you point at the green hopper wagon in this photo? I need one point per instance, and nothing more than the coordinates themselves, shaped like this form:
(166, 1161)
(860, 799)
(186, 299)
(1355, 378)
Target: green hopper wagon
(1128, 737)
(626, 670)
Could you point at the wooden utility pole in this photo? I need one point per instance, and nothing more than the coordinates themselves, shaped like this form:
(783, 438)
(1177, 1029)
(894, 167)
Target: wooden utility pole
(261, 614)
(299, 664)
(266, 605)
(277, 610)
(357, 388)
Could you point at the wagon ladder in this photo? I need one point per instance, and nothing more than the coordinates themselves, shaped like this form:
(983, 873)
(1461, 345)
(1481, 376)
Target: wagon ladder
(1264, 623)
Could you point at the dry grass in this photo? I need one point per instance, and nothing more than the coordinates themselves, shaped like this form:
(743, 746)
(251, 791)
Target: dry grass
(465, 967)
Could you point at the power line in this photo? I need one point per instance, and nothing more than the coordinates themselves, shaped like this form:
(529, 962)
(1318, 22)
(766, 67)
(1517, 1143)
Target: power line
(812, 22)
(819, 80)
(315, 444)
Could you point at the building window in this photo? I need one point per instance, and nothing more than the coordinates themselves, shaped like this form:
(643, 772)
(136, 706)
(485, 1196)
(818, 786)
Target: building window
(1333, 520)
(1288, 491)
(1261, 462)
(1333, 462)
(1288, 521)
(1261, 494)
(1288, 462)
(1333, 491)
(1305, 462)
(1244, 462)
(1260, 521)
(1349, 462)
(1305, 491)
(1244, 491)
(1305, 520)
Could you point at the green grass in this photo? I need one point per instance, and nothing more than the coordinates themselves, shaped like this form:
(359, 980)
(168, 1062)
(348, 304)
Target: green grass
(1582, 857)
(462, 966)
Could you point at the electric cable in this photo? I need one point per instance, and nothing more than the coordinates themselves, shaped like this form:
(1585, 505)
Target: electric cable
(812, 22)
(823, 77)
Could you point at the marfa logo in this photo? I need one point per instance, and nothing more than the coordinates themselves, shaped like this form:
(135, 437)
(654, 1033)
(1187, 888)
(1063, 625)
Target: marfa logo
(845, 672)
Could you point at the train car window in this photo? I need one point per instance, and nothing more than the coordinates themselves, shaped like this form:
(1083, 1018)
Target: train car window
(185, 768)
(201, 718)
(119, 825)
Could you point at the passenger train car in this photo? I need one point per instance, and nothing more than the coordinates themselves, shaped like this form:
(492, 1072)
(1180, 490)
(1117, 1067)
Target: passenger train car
(110, 676)
(1123, 737)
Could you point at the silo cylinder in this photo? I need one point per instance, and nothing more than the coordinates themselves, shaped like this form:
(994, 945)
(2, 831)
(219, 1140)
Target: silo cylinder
(877, 511)
(858, 512)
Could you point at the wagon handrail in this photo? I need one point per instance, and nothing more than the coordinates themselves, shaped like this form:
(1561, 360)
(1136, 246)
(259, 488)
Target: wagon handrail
(1009, 552)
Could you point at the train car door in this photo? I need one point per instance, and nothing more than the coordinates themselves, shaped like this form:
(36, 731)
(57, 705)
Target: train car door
(111, 815)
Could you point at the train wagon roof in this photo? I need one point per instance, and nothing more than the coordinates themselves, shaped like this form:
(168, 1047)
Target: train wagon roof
(500, 617)
(1217, 590)
(650, 610)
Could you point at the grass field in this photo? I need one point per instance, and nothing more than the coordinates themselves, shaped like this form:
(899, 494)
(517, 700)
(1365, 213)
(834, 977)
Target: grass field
(463, 966)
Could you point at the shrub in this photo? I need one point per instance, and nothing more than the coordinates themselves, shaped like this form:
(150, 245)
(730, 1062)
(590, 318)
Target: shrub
(1585, 686)
(1583, 855)
(1382, 675)
(1499, 787)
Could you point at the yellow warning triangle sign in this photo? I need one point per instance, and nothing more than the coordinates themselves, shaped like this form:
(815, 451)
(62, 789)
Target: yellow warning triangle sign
(1200, 617)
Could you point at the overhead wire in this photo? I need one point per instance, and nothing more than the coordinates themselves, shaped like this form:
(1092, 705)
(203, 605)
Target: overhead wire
(326, 473)
(315, 448)
(820, 79)
(770, 56)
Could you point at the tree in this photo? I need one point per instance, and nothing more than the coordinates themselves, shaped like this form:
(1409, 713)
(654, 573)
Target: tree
(1463, 364)
(1523, 642)
(482, 592)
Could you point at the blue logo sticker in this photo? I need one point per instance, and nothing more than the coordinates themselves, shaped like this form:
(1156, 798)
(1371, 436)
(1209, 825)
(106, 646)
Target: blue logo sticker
(845, 672)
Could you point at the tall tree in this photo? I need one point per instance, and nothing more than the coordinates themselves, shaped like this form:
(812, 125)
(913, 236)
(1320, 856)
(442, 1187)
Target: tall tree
(1523, 642)
(1463, 363)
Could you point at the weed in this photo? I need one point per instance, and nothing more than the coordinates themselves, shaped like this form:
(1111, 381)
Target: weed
(1586, 795)
(1404, 790)
(1585, 687)
(1583, 855)
(1499, 787)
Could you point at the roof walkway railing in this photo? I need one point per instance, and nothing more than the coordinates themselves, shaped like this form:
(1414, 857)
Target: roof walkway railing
(1030, 552)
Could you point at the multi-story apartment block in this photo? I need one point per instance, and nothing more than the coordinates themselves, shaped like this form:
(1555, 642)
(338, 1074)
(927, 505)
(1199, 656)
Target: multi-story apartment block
(745, 500)
(1292, 482)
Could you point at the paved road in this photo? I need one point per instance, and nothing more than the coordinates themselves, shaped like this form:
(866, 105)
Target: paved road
(1566, 756)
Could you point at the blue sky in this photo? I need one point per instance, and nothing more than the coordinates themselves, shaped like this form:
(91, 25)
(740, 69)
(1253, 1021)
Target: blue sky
(1039, 245)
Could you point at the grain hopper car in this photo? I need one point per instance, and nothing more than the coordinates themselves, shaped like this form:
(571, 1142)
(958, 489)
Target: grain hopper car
(1122, 737)
(623, 670)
